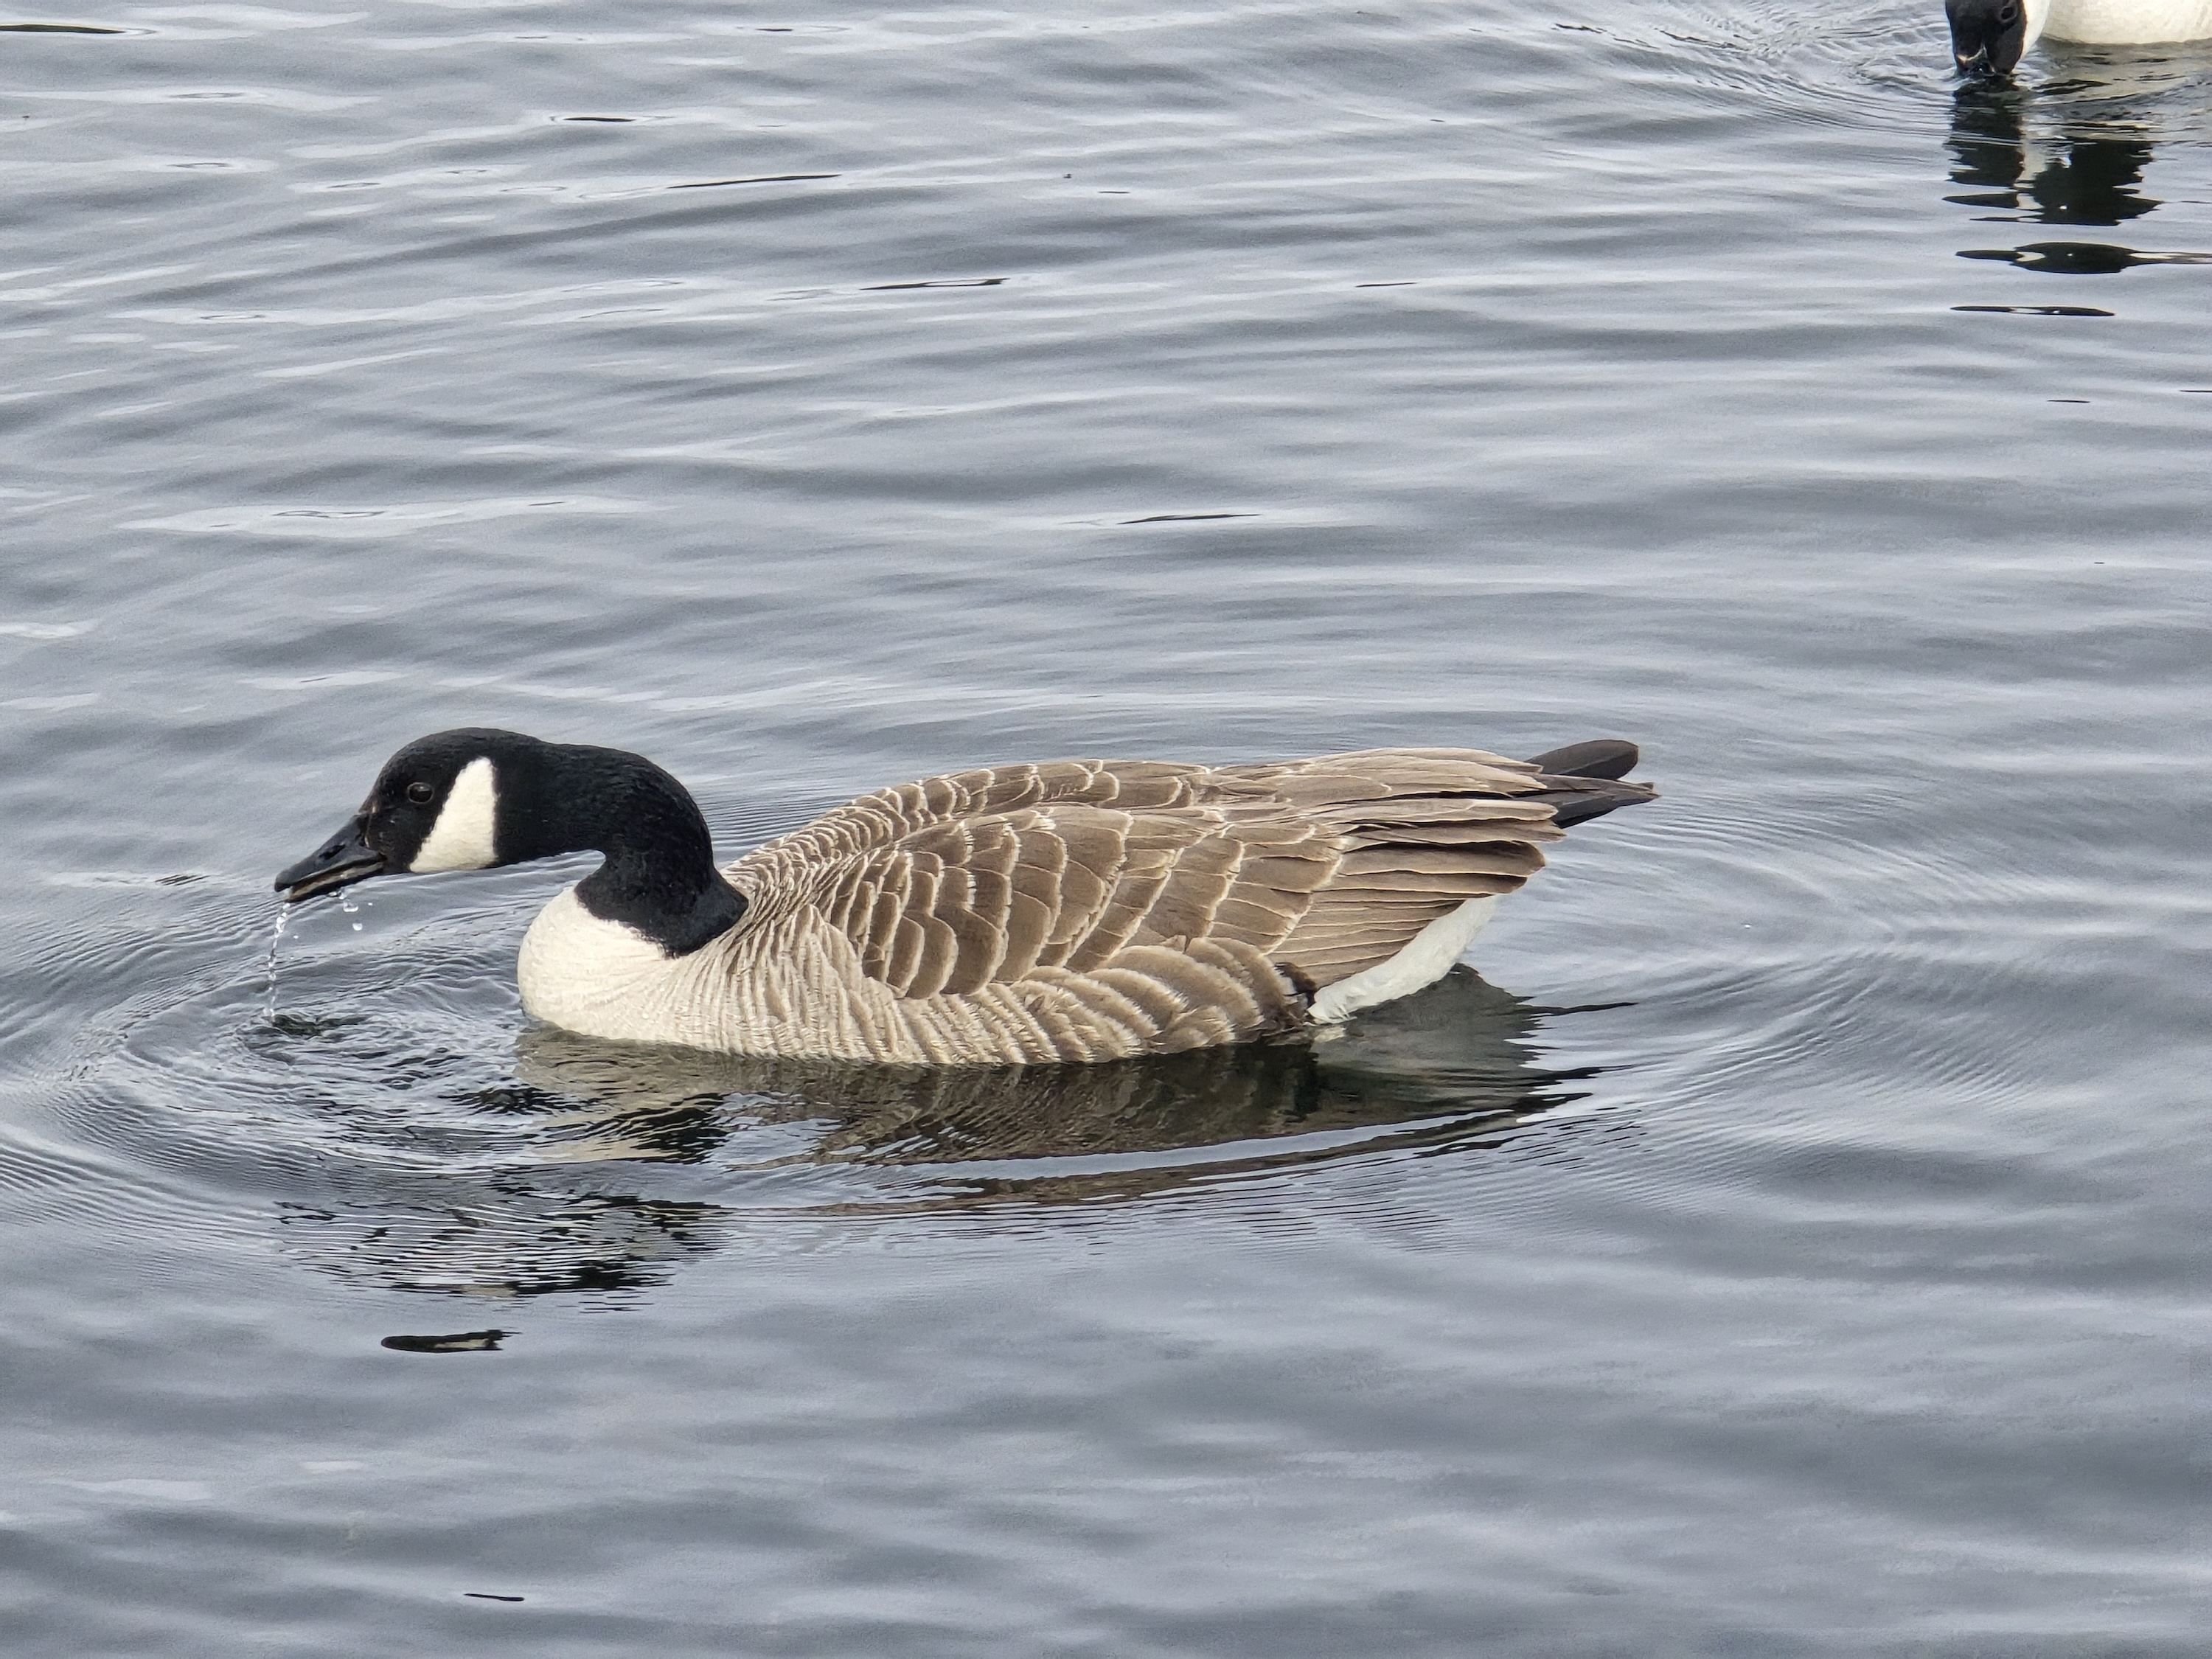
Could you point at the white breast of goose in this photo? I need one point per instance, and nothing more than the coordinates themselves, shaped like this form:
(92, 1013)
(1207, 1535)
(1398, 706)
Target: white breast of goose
(776, 986)
(603, 978)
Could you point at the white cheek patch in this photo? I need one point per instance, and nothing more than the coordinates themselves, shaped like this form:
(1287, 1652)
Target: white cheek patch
(461, 839)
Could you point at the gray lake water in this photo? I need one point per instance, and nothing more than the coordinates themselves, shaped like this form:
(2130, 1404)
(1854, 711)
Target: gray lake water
(1793, 1243)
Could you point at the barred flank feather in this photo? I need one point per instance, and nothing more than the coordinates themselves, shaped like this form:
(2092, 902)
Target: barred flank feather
(1088, 910)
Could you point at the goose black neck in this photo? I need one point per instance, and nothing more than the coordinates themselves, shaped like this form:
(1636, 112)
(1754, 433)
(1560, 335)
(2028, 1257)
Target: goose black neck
(660, 877)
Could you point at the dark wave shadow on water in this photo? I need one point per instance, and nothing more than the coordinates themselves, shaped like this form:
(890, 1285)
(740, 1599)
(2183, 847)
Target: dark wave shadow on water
(1449, 1072)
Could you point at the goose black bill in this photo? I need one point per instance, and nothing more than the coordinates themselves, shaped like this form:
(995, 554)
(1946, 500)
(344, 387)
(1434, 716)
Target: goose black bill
(1987, 36)
(343, 861)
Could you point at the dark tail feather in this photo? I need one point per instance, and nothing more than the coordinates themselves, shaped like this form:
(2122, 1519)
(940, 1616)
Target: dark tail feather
(1601, 758)
(1593, 800)
(1602, 761)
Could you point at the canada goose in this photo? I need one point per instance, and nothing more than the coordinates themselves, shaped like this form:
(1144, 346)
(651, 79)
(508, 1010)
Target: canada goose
(1989, 36)
(1077, 910)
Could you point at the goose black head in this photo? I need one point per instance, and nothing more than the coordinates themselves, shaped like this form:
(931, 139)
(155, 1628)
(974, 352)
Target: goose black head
(476, 798)
(1987, 36)
(435, 805)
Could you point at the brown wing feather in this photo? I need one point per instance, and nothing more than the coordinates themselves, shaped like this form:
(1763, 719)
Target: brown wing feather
(1424, 831)
(953, 907)
(1160, 890)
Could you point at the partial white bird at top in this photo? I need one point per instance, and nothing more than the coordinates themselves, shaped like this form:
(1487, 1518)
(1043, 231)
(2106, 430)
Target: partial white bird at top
(1989, 37)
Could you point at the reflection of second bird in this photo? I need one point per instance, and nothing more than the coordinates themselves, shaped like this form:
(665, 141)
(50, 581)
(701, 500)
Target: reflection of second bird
(2078, 179)
(2084, 180)
(1989, 37)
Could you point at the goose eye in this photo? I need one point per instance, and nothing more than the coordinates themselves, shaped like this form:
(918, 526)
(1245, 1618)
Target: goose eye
(2009, 15)
(419, 793)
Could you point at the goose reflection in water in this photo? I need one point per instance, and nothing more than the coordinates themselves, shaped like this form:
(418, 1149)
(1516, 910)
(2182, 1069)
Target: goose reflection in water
(1449, 1070)
(2083, 177)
